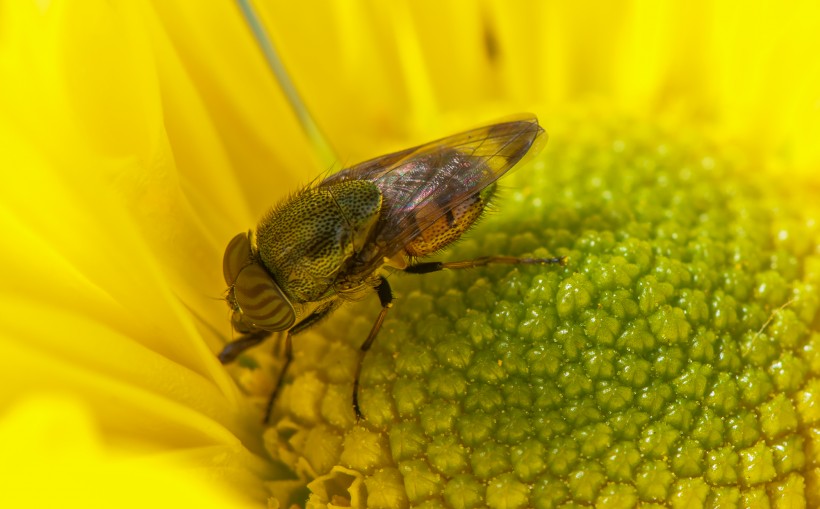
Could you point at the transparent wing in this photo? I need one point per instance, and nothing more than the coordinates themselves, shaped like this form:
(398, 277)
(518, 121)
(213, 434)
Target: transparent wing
(422, 184)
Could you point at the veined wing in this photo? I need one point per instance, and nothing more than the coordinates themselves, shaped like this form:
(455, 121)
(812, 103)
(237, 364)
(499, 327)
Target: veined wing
(420, 185)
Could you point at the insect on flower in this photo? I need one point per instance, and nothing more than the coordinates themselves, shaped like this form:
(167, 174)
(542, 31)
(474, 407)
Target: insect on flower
(336, 240)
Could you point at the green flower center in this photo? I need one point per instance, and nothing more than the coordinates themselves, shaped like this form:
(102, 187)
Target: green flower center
(674, 360)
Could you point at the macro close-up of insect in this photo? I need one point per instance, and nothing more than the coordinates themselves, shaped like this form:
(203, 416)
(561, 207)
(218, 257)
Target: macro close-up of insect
(341, 238)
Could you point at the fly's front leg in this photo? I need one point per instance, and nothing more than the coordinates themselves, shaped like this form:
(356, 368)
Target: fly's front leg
(427, 267)
(386, 299)
(232, 350)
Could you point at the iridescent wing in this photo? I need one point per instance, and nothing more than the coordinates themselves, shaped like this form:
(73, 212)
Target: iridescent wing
(422, 184)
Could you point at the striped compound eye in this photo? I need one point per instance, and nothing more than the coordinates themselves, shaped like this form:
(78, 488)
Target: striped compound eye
(258, 297)
(237, 257)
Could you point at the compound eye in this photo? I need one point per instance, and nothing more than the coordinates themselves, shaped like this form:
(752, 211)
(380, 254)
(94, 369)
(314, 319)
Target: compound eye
(261, 301)
(237, 256)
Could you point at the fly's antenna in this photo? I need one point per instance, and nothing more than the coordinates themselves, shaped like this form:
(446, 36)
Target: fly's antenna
(213, 330)
(321, 147)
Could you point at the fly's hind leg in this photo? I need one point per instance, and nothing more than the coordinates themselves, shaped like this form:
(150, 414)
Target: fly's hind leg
(427, 267)
(386, 299)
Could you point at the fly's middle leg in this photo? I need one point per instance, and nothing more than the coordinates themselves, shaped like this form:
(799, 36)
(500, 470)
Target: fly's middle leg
(386, 299)
(232, 350)
(309, 321)
(281, 377)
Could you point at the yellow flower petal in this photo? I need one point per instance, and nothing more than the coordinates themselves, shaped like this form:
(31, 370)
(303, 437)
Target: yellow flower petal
(54, 454)
(138, 139)
(106, 254)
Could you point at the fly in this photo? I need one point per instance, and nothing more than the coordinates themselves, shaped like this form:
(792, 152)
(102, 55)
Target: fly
(338, 239)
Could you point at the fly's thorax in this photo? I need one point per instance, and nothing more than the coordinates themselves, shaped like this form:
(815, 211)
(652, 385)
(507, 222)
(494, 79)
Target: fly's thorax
(305, 241)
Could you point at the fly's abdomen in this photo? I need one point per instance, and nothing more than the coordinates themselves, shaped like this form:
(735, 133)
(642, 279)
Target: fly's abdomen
(449, 227)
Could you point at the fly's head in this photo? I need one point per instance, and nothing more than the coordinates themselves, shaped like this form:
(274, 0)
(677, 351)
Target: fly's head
(256, 300)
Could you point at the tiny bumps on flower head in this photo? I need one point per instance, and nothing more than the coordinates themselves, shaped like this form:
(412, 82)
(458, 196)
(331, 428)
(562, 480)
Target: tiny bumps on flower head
(672, 358)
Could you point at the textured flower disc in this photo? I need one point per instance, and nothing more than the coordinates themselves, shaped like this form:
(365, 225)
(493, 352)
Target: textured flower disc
(675, 359)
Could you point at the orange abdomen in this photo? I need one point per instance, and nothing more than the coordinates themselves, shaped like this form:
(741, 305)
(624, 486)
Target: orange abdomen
(448, 227)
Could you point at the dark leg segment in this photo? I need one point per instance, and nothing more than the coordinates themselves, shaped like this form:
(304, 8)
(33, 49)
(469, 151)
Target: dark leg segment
(427, 267)
(281, 377)
(386, 299)
(311, 320)
(232, 350)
